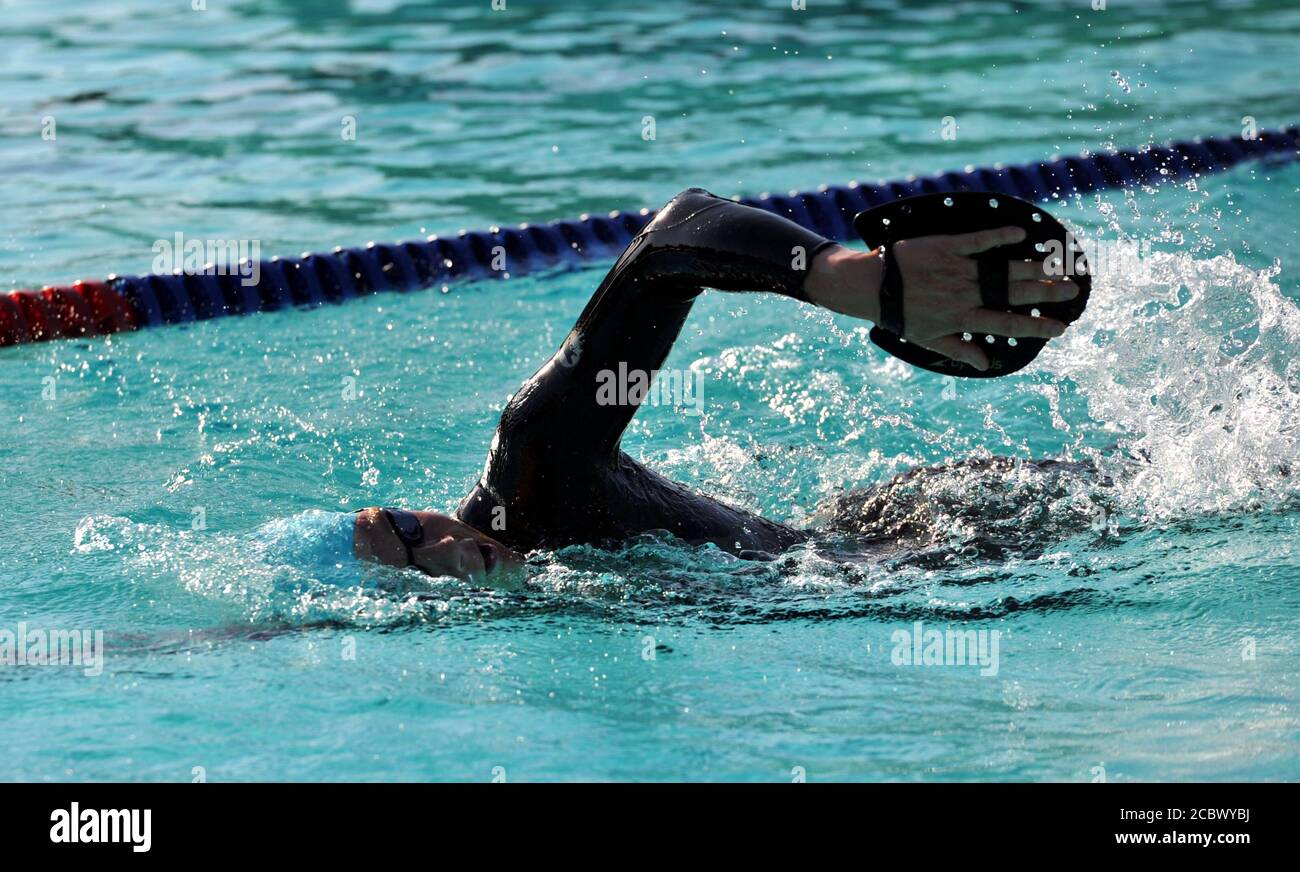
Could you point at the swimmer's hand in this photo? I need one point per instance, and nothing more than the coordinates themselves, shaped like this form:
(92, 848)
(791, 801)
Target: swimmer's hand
(941, 294)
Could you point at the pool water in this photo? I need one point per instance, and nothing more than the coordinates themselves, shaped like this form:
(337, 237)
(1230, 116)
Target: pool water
(1142, 624)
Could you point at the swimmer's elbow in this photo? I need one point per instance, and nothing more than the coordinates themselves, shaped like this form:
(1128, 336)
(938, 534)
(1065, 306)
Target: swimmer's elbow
(675, 223)
(691, 192)
(685, 202)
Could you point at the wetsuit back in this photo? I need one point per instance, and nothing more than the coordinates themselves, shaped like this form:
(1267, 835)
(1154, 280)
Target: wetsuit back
(554, 473)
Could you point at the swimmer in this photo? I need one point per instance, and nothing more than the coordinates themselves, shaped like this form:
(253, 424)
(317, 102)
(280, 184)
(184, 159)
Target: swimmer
(555, 474)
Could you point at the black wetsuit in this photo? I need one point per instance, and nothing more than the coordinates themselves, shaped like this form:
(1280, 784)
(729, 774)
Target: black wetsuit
(554, 474)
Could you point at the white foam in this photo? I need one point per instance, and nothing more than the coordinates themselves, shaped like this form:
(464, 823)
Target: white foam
(1192, 363)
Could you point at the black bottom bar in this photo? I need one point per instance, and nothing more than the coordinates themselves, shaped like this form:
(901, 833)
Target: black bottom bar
(372, 822)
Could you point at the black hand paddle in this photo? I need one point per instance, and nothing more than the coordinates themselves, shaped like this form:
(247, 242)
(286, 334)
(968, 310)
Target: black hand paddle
(966, 212)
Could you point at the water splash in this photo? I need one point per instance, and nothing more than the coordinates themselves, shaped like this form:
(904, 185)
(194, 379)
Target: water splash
(249, 577)
(1191, 363)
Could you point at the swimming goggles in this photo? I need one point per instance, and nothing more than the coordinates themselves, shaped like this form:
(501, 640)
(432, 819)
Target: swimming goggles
(409, 530)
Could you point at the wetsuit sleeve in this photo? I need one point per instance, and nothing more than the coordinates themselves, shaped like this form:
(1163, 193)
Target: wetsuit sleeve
(627, 329)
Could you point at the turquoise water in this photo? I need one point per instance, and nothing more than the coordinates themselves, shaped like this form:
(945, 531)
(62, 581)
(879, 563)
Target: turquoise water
(1146, 626)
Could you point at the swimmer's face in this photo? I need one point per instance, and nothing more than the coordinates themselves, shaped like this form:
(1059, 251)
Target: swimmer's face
(453, 548)
(449, 548)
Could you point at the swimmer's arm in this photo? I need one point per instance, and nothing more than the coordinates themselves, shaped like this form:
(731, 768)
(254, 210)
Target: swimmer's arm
(700, 241)
(633, 319)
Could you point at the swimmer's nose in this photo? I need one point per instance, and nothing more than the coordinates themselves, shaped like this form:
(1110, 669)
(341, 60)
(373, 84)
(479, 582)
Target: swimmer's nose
(465, 555)
(489, 554)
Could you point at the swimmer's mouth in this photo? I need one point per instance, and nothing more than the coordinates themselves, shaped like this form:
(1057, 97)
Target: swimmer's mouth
(489, 556)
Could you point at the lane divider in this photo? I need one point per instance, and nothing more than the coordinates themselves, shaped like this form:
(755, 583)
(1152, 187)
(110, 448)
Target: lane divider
(129, 302)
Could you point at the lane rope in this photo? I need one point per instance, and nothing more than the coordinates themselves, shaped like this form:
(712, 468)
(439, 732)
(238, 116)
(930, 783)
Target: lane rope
(121, 303)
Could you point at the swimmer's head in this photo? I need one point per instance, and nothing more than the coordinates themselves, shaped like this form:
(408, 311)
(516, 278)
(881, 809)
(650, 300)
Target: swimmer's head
(438, 544)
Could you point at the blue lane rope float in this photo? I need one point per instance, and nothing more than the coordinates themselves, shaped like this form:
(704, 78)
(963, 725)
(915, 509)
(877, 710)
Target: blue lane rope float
(131, 302)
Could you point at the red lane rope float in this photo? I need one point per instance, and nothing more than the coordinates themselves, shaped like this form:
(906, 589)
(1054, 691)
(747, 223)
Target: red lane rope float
(130, 302)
